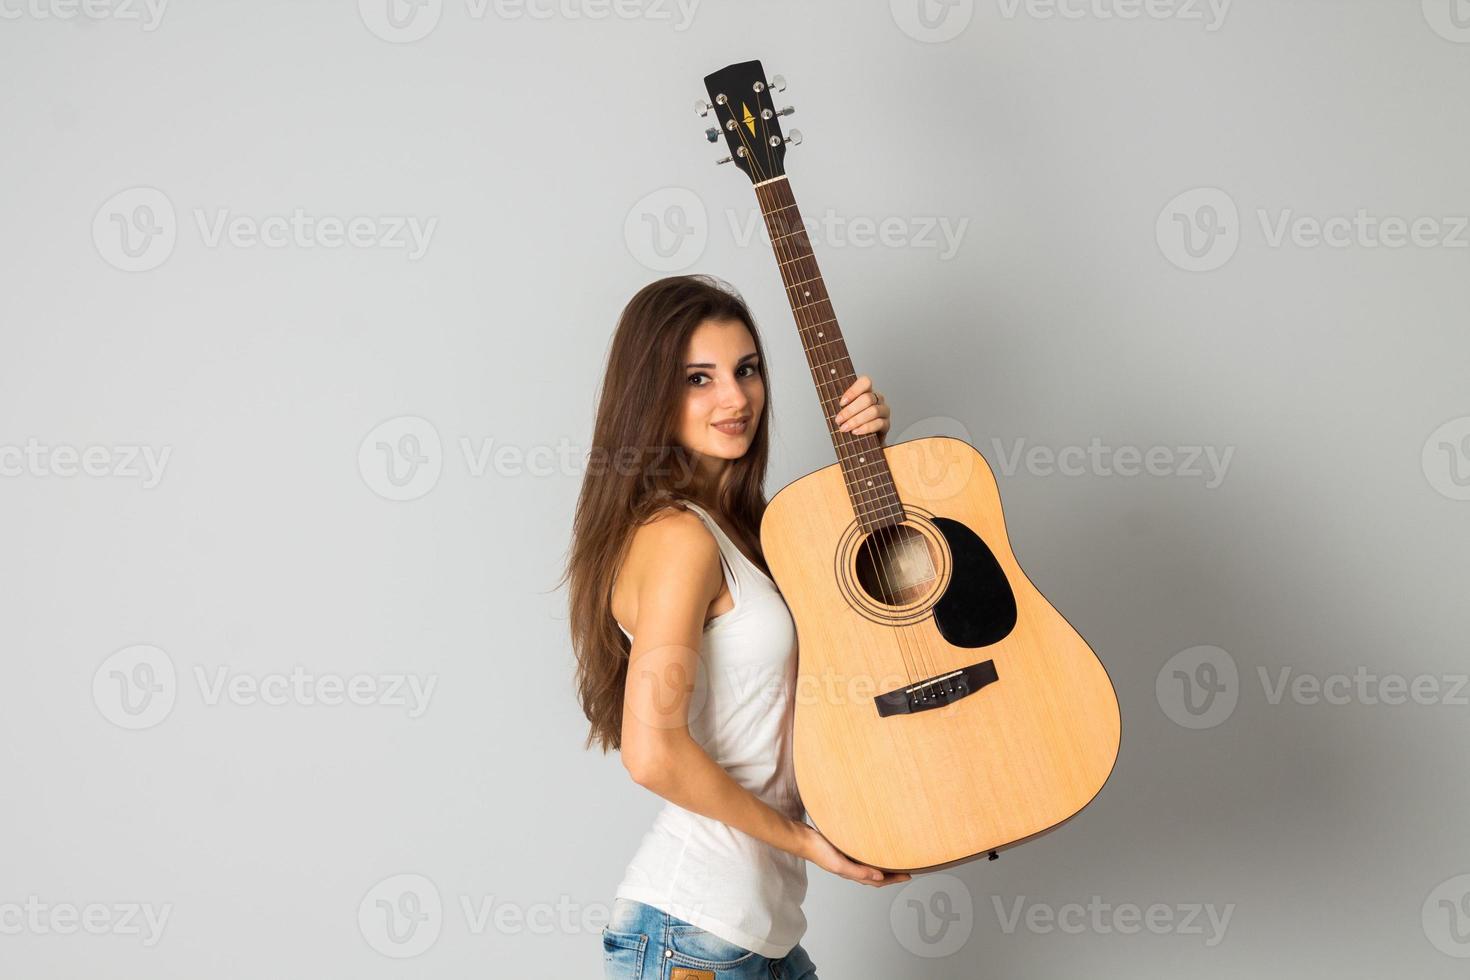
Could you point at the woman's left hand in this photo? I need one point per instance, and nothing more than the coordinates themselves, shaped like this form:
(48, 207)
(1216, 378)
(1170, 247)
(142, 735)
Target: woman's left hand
(864, 410)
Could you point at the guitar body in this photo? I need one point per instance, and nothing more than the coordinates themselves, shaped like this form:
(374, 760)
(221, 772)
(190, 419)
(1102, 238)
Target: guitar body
(944, 709)
(979, 761)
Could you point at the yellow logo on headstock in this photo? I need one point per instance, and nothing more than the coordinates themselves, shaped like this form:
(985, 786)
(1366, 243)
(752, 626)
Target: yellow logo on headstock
(749, 120)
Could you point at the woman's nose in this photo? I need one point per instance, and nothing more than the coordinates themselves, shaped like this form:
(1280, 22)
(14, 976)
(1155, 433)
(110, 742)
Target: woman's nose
(733, 395)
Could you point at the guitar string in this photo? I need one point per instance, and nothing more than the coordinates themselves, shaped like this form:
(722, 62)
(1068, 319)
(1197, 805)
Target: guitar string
(822, 363)
(777, 241)
(777, 228)
(768, 197)
(885, 536)
(862, 471)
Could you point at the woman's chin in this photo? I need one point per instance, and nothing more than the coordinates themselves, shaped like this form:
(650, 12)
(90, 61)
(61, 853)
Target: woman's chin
(727, 447)
(729, 452)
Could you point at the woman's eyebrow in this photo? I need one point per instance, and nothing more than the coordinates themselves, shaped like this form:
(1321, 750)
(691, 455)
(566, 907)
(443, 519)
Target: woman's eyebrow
(737, 363)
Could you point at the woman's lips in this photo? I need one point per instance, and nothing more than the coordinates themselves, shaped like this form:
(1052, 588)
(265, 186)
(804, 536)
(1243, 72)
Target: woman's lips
(733, 428)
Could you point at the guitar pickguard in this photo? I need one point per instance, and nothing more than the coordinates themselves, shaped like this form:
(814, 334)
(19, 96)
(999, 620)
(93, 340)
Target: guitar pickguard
(978, 608)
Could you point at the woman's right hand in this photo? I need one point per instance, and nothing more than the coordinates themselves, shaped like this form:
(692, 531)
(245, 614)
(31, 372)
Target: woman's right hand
(819, 851)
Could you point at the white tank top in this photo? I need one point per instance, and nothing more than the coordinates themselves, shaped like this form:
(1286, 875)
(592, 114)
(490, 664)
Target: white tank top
(702, 870)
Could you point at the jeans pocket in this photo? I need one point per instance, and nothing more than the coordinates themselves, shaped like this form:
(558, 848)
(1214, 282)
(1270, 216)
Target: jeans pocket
(798, 965)
(623, 954)
(702, 949)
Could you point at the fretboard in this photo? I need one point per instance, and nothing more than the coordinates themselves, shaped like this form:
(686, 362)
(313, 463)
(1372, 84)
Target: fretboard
(865, 469)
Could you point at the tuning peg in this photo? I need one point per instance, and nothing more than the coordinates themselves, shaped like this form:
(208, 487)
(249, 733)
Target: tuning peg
(778, 83)
(788, 110)
(712, 134)
(795, 138)
(722, 160)
(702, 107)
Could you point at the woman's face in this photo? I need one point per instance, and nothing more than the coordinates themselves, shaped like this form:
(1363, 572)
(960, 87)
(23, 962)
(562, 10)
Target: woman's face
(722, 381)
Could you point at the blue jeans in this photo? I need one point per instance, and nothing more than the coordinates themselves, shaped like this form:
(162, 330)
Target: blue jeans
(645, 943)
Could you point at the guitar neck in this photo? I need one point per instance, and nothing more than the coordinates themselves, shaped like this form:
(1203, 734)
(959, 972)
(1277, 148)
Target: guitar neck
(865, 468)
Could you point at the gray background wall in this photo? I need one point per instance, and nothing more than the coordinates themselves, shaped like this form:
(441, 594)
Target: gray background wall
(365, 453)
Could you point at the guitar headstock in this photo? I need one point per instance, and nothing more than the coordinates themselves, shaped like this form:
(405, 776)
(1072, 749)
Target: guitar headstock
(740, 99)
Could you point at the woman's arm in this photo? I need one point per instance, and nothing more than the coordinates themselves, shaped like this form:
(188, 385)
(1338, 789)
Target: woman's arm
(675, 574)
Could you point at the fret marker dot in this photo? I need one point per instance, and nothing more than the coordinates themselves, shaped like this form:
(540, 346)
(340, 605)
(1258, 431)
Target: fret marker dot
(861, 458)
(870, 483)
(834, 370)
(806, 292)
(820, 334)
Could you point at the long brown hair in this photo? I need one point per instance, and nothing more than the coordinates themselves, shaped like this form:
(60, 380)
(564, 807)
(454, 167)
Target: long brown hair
(636, 467)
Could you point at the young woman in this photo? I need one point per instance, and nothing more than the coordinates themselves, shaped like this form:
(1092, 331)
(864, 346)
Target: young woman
(686, 652)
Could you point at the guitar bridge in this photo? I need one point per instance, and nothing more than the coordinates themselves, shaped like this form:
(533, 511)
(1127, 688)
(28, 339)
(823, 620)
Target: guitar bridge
(936, 692)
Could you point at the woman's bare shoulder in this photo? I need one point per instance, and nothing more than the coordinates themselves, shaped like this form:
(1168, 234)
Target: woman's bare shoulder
(672, 555)
(672, 541)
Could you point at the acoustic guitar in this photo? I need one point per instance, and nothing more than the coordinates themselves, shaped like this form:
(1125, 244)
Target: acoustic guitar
(944, 710)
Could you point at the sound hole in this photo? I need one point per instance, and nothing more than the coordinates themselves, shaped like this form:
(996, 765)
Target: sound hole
(895, 565)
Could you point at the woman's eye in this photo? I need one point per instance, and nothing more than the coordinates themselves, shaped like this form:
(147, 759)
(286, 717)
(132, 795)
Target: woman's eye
(754, 371)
